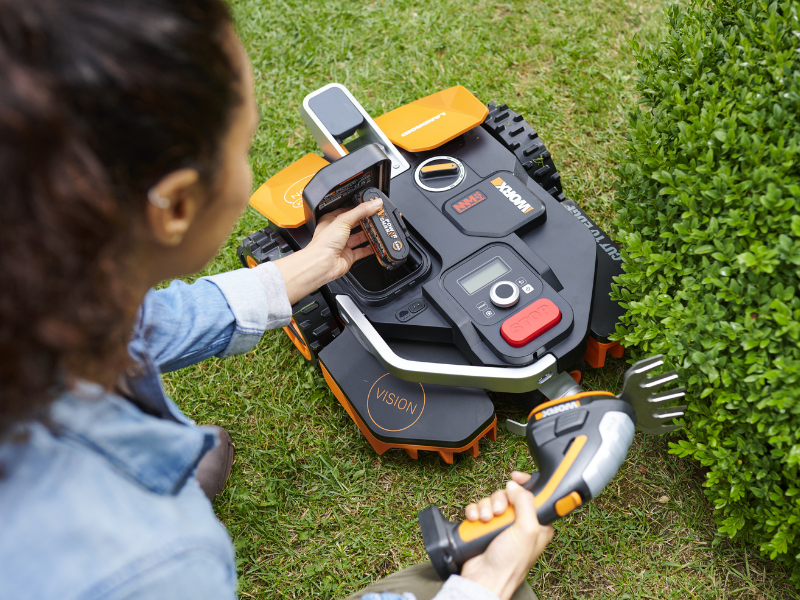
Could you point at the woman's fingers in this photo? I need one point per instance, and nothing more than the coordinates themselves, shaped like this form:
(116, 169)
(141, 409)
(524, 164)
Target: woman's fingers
(356, 239)
(520, 477)
(362, 211)
(527, 523)
(508, 558)
(499, 502)
(353, 215)
(487, 508)
(359, 253)
(328, 218)
(546, 533)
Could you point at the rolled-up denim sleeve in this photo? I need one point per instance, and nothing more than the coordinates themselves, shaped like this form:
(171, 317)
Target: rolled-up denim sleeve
(220, 315)
(193, 576)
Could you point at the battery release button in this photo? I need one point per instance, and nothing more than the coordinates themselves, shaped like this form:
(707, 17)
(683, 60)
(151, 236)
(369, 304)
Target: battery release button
(531, 322)
(570, 421)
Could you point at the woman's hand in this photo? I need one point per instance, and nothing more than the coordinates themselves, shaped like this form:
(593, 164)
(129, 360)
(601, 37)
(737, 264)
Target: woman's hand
(330, 254)
(507, 560)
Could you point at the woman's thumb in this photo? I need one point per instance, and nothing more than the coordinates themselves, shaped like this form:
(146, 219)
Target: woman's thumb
(362, 211)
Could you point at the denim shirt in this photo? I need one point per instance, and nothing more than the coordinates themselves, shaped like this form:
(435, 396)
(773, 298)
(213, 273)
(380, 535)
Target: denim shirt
(98, 500)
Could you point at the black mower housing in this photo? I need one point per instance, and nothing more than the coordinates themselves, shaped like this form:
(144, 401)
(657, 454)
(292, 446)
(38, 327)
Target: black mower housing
(497, 209)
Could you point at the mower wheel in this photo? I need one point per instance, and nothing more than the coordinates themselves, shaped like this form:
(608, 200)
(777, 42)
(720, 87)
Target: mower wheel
(313, 325)
(511, 130)
(262, 246)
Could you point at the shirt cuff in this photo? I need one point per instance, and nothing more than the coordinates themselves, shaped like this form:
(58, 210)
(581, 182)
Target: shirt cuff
(277, 297)
(257, 298)
(458, 588)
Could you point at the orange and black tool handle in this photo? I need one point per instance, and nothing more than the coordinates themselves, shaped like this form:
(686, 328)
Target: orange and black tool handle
(386, 230)
(577, 443)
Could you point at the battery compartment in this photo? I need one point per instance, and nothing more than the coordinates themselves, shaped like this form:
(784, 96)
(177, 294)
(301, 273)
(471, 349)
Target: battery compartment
(377, 286)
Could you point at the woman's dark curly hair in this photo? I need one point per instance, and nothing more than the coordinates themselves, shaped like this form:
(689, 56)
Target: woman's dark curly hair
(99, 99)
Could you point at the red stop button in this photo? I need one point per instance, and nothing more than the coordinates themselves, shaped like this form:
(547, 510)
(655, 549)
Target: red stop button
(531, 322)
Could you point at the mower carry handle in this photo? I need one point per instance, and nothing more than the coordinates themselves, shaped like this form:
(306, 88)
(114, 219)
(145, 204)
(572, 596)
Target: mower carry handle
(494, 379)
(332, 114)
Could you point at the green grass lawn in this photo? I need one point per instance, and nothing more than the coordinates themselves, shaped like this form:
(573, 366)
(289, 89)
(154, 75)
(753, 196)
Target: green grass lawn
(313, 510)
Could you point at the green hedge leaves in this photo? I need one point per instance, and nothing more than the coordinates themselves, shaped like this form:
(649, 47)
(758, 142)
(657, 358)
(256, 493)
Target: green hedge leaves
(707, 209)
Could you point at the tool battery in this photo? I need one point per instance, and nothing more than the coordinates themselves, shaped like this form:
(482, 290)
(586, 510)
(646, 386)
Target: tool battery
(385, 230)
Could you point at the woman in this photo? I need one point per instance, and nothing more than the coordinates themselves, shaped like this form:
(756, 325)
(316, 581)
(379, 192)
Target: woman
(124, 133)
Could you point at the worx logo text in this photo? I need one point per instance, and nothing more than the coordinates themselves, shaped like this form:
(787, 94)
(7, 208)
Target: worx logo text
(513, 196)
(558, 408)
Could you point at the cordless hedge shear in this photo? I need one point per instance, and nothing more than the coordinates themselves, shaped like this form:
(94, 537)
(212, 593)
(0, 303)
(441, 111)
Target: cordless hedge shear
(578, 442)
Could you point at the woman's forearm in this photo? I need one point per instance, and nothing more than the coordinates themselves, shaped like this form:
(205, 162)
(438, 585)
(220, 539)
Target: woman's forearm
(303, 272)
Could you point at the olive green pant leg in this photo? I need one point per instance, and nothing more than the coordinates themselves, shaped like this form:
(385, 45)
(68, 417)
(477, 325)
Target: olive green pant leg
(424, 583)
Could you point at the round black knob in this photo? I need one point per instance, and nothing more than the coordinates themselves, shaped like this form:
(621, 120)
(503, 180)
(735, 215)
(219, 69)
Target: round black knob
(504, 294)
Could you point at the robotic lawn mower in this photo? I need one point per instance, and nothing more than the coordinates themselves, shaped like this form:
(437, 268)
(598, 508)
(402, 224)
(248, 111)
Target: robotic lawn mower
(484, 278)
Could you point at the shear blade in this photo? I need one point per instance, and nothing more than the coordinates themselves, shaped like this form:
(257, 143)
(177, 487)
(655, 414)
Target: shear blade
(653, 410)
(669, 412)
(659, 420)
(668, 396)
(647, 364)
(658, 429)
(654, 382)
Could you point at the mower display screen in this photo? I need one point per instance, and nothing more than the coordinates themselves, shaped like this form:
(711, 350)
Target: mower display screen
(484, 275)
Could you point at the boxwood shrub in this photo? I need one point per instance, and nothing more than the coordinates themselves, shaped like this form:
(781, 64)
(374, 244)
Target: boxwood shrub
(707, 213)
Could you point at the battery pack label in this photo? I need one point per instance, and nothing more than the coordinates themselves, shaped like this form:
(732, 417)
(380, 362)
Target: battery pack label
(387, 240)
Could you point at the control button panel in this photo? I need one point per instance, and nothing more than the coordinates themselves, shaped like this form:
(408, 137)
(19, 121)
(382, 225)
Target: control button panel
(485, 285)
(531, 322)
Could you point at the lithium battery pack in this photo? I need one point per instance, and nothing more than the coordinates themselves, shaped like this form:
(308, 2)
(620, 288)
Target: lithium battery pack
(385, 230)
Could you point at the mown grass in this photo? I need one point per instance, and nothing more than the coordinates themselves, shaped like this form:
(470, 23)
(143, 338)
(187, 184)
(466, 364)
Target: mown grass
(313, 510)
